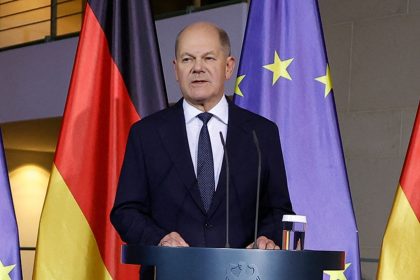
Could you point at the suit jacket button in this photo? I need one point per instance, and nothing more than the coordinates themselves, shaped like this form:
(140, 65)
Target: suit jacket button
(208, 226)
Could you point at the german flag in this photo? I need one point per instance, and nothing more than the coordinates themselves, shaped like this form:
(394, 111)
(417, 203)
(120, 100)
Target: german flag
(117, 79)
(400, 255)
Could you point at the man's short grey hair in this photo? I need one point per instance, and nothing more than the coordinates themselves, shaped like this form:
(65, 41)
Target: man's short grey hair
(223, 37)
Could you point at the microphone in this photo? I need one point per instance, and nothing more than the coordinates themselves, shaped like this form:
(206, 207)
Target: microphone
(225, 157)
(257, 206)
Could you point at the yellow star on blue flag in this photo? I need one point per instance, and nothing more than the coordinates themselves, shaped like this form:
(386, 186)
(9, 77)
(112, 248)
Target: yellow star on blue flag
(337, 274)
(5, 270)
(326, 80)
(279, 68)
(237, 88)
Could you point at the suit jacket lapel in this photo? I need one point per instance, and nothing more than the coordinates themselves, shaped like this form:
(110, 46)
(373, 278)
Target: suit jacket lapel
(174, 137)
(235, 134)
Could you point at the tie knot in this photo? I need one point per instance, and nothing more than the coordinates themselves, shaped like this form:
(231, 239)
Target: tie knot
(205, 117)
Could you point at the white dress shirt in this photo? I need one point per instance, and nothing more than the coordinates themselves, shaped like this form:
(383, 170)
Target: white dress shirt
(217, 123)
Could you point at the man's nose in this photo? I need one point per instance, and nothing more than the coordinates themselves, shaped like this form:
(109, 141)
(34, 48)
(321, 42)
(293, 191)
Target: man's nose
(198, 65)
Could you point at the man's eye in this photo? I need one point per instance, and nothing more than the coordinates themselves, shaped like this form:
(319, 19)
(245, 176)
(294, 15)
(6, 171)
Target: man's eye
(209, 58)
(186, 59)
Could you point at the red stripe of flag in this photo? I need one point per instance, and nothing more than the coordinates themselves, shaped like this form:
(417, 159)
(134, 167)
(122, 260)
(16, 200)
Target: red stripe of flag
(410, 178)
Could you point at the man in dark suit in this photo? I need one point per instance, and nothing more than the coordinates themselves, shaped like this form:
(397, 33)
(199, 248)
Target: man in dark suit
(170, 192)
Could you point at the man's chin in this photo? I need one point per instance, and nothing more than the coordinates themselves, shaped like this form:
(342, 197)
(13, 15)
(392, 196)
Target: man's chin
(200, 88)
(200, 95)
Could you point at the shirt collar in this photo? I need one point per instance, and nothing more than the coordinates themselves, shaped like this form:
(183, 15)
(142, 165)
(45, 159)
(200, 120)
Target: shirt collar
(220, 111)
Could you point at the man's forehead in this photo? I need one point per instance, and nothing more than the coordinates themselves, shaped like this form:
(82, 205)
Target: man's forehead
(199, 28)
(199, 46)
(203, 37)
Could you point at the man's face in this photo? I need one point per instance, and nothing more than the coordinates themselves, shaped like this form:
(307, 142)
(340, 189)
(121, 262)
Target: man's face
(202, 66)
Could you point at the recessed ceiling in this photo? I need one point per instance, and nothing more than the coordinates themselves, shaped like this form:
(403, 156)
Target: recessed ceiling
(33, 135)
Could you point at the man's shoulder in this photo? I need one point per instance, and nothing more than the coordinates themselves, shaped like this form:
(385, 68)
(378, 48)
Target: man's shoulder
(250, 117)
(156, 119)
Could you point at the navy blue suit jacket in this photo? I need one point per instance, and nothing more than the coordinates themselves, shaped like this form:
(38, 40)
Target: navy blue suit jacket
(158, 193)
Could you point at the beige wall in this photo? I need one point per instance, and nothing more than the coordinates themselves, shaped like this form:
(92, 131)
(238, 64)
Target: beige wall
(373, 48)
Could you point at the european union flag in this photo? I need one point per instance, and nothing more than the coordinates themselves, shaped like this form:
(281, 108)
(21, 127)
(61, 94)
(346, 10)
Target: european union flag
(9, 240)
(284, 76)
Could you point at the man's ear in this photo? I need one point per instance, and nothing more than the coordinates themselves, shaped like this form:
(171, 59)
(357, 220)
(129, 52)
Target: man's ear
(230, 66)
(174, 63)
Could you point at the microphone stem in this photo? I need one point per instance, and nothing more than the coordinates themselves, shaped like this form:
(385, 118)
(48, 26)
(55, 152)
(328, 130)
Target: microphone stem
(227, 201)
(225, 157)
(257, 207)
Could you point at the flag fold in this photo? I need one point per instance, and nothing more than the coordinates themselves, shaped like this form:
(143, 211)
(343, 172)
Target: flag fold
(10, 266)
(284, 76)
(400, 254)
(117, 79)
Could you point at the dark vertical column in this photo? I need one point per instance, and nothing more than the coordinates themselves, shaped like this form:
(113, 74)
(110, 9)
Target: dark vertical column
(53, 25)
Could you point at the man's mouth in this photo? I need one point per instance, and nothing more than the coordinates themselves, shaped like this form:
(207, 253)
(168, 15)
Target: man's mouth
(198, 82)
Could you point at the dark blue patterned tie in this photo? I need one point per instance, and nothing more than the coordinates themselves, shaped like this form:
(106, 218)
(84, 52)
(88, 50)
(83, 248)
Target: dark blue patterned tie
(205, 169)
